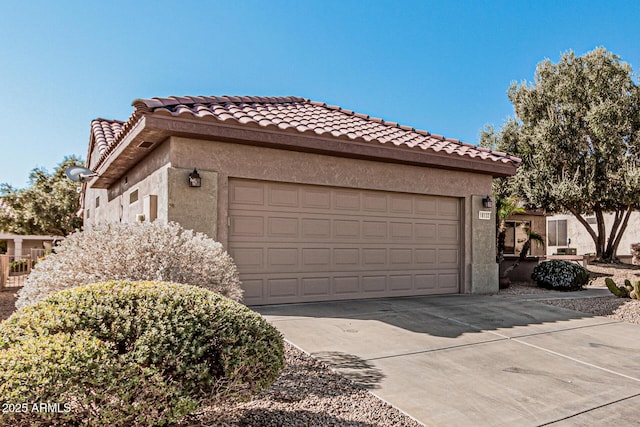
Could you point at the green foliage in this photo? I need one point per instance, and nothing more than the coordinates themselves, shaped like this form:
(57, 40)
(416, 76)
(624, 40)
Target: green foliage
(48, 206)
(619, 291)
(560, 275)
(579, 139)
(146, 251)
(628, 290)
(135, 353)
(81, 380)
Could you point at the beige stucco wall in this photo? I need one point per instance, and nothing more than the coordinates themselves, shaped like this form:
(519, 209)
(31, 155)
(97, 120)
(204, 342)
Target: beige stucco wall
(148, 178)
(164, 174)
(194, 208)
(244, 161)
(582, 241)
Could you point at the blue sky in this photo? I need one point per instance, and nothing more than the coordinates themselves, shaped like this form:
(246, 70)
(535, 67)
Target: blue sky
(442, 66)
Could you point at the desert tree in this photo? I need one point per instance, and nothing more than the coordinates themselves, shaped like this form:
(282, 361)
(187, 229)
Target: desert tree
(578, 134)
(47, 206)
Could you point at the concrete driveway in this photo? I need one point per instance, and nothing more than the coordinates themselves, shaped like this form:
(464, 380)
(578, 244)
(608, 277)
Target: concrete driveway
(465, 360)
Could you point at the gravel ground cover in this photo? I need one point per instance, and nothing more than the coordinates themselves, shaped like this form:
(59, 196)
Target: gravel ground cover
(624, 309)
(308, 393)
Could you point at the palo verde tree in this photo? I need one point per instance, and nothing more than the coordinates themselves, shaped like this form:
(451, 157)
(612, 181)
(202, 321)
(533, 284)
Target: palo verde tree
(47, 206)
(579, 138)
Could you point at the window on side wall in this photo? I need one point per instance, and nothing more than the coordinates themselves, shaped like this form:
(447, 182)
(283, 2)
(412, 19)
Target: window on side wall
(557, 232)
(515, 236)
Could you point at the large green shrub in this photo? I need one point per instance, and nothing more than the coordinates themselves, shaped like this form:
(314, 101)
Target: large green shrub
(77, 379)
(185, 343)
(560, 275)
(141, 251)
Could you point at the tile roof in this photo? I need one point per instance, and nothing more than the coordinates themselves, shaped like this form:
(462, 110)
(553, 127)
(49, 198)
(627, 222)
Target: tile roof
(288, 114)
(105, 133)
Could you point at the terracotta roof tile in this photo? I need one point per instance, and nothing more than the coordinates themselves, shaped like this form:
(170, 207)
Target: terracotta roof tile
(105, 132)
(291, 114)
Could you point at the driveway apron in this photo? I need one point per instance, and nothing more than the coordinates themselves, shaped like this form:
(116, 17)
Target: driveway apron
(465, 360)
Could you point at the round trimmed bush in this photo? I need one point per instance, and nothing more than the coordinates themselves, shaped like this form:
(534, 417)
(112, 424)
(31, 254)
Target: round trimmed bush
(560, 275)
(134, 252)
(187, 343)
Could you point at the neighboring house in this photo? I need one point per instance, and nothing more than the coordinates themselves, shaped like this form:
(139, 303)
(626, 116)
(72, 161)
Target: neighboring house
(22, 245)
(565, 232)
(516, 234)
(314, 202)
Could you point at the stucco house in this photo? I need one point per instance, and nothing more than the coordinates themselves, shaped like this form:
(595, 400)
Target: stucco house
(566, 233)
(314, 202)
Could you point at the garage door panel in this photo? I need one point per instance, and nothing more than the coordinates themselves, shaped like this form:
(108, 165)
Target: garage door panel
(374, 229)
(310, 243)
(374, 203)
(401, 231)
(316, 198)
(285, 287)
(426, 206)
(448, 257)
(316, 227)
(372, 284)
(343, 228)
(316, 286)
(448, 233)
(426, 231)
(282, 227)
(247, 193)
(426, 281)
(346, 200)
(374, 257)
(283, 196)
(346, 285)
(401, 205)
(400, 257)
(448, 281)
(316, 257)
(401, 282)
(426, 257)
(346, 256)
(448, 208)
(244, 225)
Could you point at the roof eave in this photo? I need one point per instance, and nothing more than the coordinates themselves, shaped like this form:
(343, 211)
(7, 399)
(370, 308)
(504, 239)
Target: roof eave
(155, 129)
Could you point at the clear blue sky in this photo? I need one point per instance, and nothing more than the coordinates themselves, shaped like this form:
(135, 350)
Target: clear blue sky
(442, 66)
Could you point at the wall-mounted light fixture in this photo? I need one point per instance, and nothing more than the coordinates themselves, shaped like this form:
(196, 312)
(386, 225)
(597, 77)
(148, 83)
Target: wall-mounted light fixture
(194, 179)
(487, 202)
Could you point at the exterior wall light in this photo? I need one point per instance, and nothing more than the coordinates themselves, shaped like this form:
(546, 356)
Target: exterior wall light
(194, 179)
(487, 202)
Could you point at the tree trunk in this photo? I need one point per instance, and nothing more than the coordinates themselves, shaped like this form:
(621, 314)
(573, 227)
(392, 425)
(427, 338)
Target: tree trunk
(606, 249)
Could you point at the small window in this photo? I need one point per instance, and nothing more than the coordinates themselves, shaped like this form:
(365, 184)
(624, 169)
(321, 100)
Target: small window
(98, 202)
(88, 213)
(557, 232)
(591, 220)
(133, 196)
(515, 236)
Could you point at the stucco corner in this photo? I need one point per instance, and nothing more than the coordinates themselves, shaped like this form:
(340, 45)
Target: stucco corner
(194, 208)
(484, 269)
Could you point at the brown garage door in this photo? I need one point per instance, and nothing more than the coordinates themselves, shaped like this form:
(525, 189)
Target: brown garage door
(297, 243)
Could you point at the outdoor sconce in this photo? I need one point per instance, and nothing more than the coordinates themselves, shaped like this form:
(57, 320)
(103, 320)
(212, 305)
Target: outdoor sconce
(194, 179)
(487, 202)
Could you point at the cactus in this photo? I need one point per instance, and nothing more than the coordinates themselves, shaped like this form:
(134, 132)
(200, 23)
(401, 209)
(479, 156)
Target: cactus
(628, 285)
(635, 294)
(619, 291)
